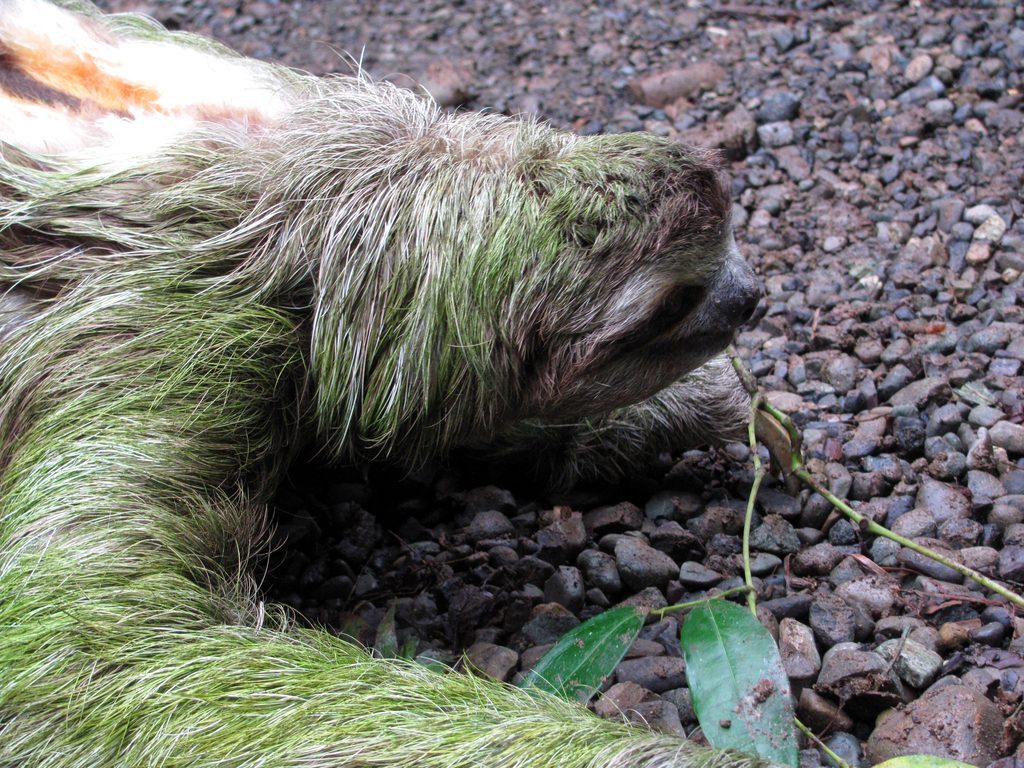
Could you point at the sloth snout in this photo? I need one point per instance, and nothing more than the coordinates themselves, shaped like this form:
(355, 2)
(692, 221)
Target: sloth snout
(736, 294)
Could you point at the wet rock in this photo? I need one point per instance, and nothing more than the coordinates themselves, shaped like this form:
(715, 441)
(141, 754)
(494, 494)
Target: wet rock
(490, 525)
(775, 535)
(565, 587)
(448, 82)
(954, 722)
(562, 540)
(640, 565)
(661, 88)
(599, 570)
(548, 622)
(1008, 436)
(655, 673)
(696, 576)
(920, 393)
(613, 519)
(916, 665)
(832, 620)
(799, 653)
(861, 678)
(875, 594)
(941, 500)
(821, 714)
(493, 660)
(1011, 563)
(621, 697)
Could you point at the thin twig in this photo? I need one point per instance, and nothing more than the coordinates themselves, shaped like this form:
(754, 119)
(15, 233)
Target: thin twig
(798, 470)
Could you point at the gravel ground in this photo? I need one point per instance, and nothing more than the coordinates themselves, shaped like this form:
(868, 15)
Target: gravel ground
(877, 166)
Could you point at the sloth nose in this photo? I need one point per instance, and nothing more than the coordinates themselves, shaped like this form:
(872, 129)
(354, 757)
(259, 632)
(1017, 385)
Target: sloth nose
(737, 295)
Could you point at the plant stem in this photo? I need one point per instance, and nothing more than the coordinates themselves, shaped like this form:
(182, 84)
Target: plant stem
(798, 470)
(840, 763)
(660, 612)
(871, 526)
(759, 472)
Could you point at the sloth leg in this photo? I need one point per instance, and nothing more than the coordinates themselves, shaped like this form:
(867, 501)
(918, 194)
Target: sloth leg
(706, 407)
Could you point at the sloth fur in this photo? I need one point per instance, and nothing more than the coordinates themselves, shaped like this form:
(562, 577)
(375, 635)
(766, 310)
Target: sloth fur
(199, 279)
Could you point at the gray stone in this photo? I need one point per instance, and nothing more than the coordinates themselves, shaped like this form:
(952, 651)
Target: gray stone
(562, 540)
(978, 213)
(620, 697)
(919, 393)
(683, 701)
(640, 565)
(984, 416)
(1008, 436)
(495, 661)
(655, 673)
(672, 505)
(926, 565)
(775, 535)
(847, 748)
(490, 525)
(884, 552)
(764, 564)
(799, 652)
(916, 665)
(960, 532)
(916, 522)
(616, 518)
(816, 560)
(565, 587)
(984, 485)
(548, 622)
(775, 134)
(941, 500)
(778, 106)
(832, 620)
(875, 594)
(1011, 563)
(991, 230)
(659, 715)
(600, 571)
(695, 575)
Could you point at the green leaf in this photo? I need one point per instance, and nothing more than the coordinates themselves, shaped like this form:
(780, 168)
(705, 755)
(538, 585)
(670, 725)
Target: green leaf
(922, 761)
(386, 641)
(586, 656)
(740, 690)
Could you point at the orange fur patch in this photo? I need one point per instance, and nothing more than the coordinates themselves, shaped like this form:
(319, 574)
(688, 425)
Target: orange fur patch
(79, 75)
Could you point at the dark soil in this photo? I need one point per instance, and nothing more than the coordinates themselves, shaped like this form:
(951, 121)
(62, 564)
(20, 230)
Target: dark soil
(877, 164)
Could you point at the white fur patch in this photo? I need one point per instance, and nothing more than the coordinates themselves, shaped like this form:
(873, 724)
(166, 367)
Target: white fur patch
(134, 96)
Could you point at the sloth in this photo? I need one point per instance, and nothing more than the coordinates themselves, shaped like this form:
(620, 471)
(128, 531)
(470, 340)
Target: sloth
(209, 262)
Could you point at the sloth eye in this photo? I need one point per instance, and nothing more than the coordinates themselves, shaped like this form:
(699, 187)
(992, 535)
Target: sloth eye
(676, 305)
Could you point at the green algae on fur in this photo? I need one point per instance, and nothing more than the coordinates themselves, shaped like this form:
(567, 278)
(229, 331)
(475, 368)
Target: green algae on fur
(366, 273)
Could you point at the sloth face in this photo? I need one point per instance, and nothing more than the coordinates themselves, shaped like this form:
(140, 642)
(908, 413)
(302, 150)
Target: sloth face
(657, 285)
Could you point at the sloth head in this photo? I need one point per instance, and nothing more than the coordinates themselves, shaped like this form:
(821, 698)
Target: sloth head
(473, 270)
